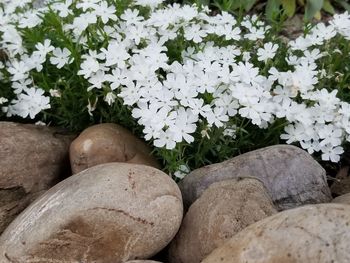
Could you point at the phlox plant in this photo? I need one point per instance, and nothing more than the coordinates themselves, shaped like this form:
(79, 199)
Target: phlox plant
(199, 88)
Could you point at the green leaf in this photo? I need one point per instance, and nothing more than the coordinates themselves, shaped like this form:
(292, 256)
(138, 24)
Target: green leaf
(272, 9)
(344, 4)
(318, 15)
(248, 4)
(289, 7)
(327, 6)
(311, 8)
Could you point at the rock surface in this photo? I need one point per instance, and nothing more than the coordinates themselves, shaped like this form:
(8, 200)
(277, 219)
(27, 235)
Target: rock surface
(223, 210)
(105, 143)
(32, 159)
(143, 261)
(343, 199)
(341, 185)
(109, 213)
(314, 234)
(290, 174)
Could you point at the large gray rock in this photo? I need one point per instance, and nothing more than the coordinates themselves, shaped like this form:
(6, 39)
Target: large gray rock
(32, 159)
(313, 234)
(291, 176)
(109, 213)
(106, 143)
(223, 210)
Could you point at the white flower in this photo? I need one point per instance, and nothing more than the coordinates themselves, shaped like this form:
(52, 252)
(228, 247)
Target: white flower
(55, 93)
(61, 57)
(110, 98)
(195, 33)
(246, 73)
(330, 135)
(21, 85)
(117, 78)
(268, 52)
(331, 153)
(150, 3)
(3, 100)
(105, 12)
(131, 17)
(63, 8)
(29, 20)
(40, 123)
(89, 66)
(166, 138)
(31, 102)
(44, 48)
(184, 125)
(182, 171)
(216, 117)
(19, 70)
(97, 79)
(294, 133)
(115, 54)
(81, 22)
(341, 23)
(214, 82)
(91, 106)
(35, 61)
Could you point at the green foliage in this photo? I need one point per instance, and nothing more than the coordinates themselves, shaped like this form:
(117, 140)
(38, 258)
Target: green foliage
(278, 9)
(211, 144)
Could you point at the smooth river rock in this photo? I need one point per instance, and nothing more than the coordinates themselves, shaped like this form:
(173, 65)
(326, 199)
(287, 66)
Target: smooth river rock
(32, 159)
(224, 209)
(291, 176)
(342, 199)
(105, 143)
(313, 234)
(108, 213)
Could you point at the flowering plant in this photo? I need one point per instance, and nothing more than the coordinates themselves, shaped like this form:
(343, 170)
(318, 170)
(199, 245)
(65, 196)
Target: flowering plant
(202, 88)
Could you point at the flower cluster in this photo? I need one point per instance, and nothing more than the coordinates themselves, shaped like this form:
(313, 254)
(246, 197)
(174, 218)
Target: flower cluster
(178, 69)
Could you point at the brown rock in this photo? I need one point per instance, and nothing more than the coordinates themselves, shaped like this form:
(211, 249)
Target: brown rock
(313, 233)
(343, 199)
(223, 210)
(291, 176)
(105, 143)
(108, 213)
(32, 159)
(341, 185)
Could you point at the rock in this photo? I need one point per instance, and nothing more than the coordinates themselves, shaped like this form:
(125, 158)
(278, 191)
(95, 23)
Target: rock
(341, 185)
(108, 213)
(291, 176)
(313, 233)
(105, 143)
(32, 159)
(224, 209)
(343, 199)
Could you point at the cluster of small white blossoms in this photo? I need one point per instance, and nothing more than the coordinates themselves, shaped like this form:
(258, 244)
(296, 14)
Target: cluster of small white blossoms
(210, 84)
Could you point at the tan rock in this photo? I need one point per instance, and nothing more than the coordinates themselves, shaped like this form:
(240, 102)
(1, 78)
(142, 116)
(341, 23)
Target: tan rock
(109, 213)
(105, 143)
(313, 234)
(223, 210)
(143, 261)
(342, 199)
(32, 159)
(291, 176)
